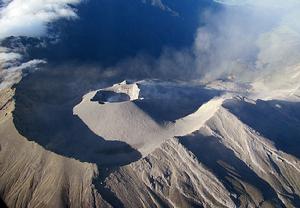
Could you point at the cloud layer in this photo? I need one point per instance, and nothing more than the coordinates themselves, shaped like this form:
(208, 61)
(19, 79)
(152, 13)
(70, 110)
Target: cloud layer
(255, 41)
(160, 4)
(30, 18)
(262, 3)
(249, 38)
(13, 75)
(246, 39)
(27, 18)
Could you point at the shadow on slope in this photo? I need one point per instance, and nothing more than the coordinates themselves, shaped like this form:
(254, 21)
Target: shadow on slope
(2, 203)
(169, 102)
(276, 120)
(229, 169)
(103, 96)
(44, 114)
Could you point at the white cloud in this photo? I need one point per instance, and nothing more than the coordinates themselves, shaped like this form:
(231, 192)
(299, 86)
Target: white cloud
(27, 18)
(161, 5)
(12, 68)
(30, 17)
(12, 75)
(261, 3)
(248, 39)
(255, 41)
(6, 57)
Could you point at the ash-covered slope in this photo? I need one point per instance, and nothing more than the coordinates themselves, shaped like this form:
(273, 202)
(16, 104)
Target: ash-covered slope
(146, 113)
(248, 169)
(229, 152)
(199, 146)
(31, 176)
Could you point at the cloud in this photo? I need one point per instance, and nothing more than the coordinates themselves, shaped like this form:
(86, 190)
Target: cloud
(12, 75)
(8, 57)
(161, 5)
(171, 64)
(27, 18)
(12, 67)
(262, 3)
(253, 41)
(248, 39)
(30, 18)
